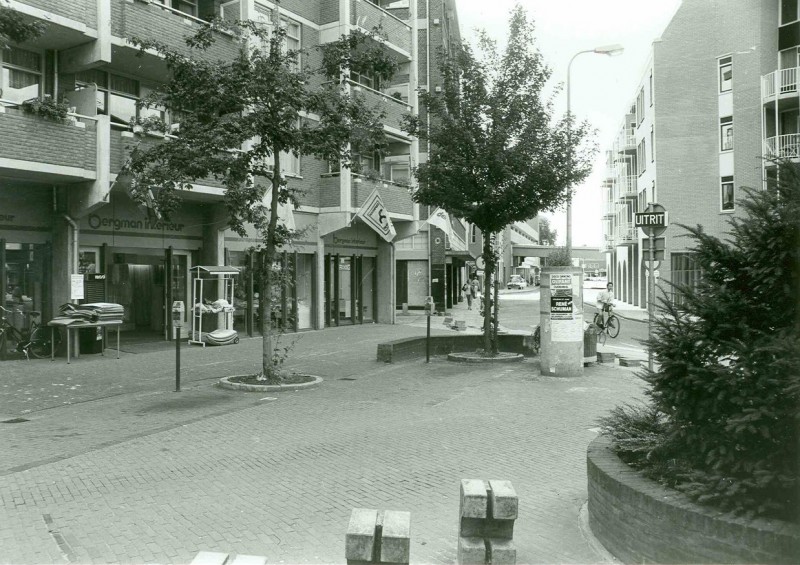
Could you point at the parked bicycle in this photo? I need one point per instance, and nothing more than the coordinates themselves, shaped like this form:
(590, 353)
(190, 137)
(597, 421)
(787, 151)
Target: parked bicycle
(35, 341)
(610, 328)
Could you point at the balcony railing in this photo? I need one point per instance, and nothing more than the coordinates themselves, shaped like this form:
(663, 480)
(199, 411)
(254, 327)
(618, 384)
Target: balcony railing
(626, 234)
(783, 146)
(626, 186)
(783, 81)
(395, 196)
(395, 108)
(368, 16)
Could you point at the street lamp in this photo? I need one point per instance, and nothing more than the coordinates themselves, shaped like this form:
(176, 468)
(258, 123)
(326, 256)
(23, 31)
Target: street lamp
(610, 50)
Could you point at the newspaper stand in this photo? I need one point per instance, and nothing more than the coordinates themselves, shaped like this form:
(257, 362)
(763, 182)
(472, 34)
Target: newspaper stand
(221, 279)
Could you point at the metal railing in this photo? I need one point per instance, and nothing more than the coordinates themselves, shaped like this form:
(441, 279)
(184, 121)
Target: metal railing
(783, 146)
(782, 81)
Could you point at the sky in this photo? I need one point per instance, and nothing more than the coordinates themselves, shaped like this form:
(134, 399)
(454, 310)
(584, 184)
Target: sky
(601, 87)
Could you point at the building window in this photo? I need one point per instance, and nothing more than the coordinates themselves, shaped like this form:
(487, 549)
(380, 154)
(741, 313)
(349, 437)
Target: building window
(725, 74)
(640, 107)
(651, 88)
(641, 157)
(726, 133)
(21, 76)
(116, 96)
(652, 144)
(727, 194)
(685, 273)
(473, 234)
(186, 6)
(788, 11)
(366, 79)
(292, 41)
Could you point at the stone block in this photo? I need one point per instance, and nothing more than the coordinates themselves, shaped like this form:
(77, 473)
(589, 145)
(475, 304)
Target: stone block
(360, 538)
(473, 499)
(471, 551)
(396, 537)
(504, 500)
(448, 320)
(625, 362)
(501, 552)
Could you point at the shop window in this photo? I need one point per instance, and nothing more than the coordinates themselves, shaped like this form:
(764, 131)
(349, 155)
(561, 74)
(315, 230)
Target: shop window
(726, 133)
(21, 75)
(727, 194)
(725, 74)
(684, 273)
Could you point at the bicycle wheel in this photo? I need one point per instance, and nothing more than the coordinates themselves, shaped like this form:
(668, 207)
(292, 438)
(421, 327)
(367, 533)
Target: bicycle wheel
(39, 345)
(612, 326)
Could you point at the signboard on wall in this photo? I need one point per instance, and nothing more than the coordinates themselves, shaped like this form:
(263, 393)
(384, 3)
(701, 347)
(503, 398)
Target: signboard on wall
(76, 287)
(565, 322)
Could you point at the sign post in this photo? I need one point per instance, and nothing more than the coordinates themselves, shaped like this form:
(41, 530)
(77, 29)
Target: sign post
(653, 221)
(430, 307)
(178, 310)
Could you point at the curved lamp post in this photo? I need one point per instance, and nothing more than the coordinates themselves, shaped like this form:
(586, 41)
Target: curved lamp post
(610, 50)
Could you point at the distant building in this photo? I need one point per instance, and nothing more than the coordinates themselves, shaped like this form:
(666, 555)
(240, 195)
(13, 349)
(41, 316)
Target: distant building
(709, 96)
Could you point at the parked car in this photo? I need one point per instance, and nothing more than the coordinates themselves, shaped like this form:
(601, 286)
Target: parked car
(516, 281)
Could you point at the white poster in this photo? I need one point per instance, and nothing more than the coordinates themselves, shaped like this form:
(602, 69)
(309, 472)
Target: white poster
(565, 321)
(76, 287)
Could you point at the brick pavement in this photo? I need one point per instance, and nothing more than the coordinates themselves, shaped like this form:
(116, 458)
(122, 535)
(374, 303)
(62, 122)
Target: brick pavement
(134, 473)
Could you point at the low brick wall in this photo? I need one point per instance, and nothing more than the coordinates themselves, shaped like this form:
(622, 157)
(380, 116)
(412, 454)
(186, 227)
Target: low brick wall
(414, 347)
(640, 521)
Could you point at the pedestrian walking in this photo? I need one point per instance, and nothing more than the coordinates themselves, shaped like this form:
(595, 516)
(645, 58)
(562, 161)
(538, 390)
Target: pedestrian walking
(467, 291)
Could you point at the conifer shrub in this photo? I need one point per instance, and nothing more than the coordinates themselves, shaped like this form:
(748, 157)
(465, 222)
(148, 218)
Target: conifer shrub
(723, 421)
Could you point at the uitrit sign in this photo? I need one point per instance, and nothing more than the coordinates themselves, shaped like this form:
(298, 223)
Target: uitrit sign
(652, 221)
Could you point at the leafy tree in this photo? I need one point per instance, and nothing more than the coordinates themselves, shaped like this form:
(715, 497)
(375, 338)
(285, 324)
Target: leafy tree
(14, 28)
(497, 156)
(547, 235)
(238, 118)
(727, 385)
(559, 258)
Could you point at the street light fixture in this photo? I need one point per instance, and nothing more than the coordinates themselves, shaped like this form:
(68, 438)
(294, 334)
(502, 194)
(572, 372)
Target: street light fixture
(611, 51)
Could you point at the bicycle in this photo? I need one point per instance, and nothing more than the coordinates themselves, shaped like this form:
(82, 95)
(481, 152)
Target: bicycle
(35, 341)
(610, 328)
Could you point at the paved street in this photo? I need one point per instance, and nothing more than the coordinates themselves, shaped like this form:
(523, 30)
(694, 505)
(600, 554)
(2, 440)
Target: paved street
(114, 467)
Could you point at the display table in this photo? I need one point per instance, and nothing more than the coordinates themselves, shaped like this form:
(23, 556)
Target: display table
(74, 324)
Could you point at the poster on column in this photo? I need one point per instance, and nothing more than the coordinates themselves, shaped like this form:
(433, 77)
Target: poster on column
(565, 322)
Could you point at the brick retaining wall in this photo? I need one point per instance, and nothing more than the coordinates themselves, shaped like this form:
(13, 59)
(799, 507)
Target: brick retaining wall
(640, 521)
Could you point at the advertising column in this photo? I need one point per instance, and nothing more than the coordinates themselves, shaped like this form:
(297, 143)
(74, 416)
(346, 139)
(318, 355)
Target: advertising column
(561, 307)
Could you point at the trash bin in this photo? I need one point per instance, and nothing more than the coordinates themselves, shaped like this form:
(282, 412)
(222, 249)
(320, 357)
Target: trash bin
(589, 345)
(90, 340)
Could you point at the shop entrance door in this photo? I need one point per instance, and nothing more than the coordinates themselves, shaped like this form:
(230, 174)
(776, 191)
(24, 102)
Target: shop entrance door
(349, 289)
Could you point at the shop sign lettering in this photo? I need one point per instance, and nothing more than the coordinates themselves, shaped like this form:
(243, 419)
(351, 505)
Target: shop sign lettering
(348, 241)
(118, 224)
(7, 217)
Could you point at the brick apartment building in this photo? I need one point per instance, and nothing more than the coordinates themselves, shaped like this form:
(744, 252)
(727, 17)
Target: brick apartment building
(718, 93)
(63, 213)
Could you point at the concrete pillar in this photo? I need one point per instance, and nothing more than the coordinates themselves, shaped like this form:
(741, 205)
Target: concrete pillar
(385, 265)
(561, 307)
(319, 298)
(62, 263)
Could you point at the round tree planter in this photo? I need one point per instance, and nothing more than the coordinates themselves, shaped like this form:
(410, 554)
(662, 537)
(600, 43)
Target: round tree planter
(641, 521)
(472, 357)
(225, 382)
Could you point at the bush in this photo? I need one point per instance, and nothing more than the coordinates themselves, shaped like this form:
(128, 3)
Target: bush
(47, 108)
(727, 382)
(559, 258)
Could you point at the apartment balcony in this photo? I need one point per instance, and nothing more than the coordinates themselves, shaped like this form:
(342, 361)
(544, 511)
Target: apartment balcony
(397, 32)
(395, 196)
(146, 20)
(608, 243)
(609, 209)
(78, 11)
(625, 143)
(626, 234)
(626, 186)
(779, 84)
(783, 146)
(395, 108)
(42, 150)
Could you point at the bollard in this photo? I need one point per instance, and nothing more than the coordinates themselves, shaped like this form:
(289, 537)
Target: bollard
(378, 537)
(487, 511)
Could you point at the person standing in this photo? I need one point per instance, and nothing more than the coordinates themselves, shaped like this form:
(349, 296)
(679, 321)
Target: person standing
(468, 293)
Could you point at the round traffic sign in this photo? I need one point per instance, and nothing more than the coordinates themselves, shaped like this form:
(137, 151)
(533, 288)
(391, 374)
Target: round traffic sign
(655, 230)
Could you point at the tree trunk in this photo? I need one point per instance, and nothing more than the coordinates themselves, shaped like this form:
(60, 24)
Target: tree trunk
(488, 258)
(271, 370)
(496, 309)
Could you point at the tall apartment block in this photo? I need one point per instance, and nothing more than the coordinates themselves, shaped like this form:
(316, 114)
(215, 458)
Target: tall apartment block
(718, 94)
(62, 211)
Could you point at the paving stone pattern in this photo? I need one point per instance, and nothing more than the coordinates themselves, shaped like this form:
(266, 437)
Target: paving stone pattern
(134, 473)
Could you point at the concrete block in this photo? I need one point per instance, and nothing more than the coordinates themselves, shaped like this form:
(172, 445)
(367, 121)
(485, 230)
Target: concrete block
(209, 558)
(625, 362)
(501, 551)
(360, 537)
(460, 325)
(448, 320)
(605, 357)
(396, 537)
(505, 504)
(471, 551)
(473, 499)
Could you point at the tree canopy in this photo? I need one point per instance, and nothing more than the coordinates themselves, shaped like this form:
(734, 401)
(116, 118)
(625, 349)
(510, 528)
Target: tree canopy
(497, 154)
(239, 120)
(14, 28)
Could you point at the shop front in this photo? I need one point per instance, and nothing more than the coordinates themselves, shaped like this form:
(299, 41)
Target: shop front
(146, 261)
(25, 252)
(350, 276)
